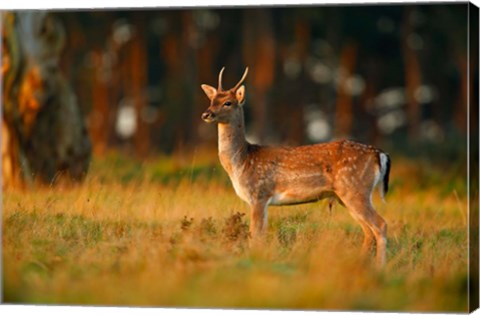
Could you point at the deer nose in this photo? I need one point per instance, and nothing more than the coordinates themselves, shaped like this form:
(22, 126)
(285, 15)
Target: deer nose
(207, 115)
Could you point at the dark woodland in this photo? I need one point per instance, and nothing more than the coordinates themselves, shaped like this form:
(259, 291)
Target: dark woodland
(396, 76)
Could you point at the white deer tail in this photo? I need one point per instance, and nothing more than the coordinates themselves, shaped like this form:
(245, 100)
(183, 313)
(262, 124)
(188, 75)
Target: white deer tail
(384, 163)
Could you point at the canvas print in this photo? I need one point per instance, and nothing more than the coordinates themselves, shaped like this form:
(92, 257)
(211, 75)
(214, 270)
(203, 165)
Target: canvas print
(307, 157)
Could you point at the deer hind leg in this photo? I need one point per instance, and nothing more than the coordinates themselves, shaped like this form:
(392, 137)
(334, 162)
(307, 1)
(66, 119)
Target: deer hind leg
(372, 225)
(368, 236)
(379, 228)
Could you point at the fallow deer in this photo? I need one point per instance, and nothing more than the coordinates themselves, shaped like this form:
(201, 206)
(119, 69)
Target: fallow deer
(263, 175)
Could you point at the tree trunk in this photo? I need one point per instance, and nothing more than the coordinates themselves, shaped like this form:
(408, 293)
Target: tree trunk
(344, 108)
(138, 71)
(462, 103)
(259, 52)
(98, 120)
(413, 78)
(298, 86)
(43, 133)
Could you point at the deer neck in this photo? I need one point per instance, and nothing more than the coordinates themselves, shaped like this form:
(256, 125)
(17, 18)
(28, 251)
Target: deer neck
(232, 146)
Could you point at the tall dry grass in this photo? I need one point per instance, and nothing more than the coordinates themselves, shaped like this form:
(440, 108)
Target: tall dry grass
(170, 232)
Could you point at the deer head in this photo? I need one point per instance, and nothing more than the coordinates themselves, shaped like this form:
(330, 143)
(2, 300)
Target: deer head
(224, 103)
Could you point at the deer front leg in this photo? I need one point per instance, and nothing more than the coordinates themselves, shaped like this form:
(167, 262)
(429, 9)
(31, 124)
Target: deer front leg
(258, 219)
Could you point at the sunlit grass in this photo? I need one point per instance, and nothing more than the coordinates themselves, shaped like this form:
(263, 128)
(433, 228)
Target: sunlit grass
(166, 232)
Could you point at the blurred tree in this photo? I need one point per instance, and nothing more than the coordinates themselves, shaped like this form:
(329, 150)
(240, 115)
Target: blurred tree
(102, 80)
(100, 103)
(43, 133)
(190, 43)
(459, 39)
(259, 52)
(294, 89)
(413, 77)
(138, 61)
(344, 108)
(205, 58)
(176, 48)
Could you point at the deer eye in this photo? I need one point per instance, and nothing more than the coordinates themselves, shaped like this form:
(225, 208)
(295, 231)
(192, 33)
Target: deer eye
(227, 103)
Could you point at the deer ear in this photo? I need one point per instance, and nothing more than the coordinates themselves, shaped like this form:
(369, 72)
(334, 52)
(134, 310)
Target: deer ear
(240, 95)
(209, 90)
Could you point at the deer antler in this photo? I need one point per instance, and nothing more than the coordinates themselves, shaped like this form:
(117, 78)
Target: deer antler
(220, 88)
(241, 80)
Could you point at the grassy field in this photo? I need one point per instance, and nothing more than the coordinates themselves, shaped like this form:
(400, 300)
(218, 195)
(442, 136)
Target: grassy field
(172, 232)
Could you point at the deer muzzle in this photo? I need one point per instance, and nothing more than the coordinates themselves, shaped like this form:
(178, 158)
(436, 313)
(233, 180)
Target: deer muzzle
(208, 116)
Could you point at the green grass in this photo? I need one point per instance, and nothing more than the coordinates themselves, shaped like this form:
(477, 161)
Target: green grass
(171, 232)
